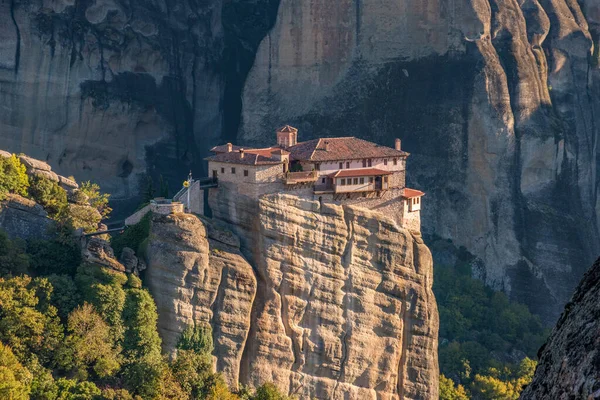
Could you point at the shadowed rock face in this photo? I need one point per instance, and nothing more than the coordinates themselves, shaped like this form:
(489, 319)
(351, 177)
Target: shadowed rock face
(111, 90)
(569, 366)
(496, 100)
(333, 303)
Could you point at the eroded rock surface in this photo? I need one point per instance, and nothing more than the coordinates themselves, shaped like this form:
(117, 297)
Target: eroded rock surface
(569, 366)
(340, 297)
(496, 100)
(24, 218)
(197, 275)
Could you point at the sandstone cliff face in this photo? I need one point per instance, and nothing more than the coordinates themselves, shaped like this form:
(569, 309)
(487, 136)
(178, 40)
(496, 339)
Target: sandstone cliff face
(112, 90)
(569, 366)
(197, 275)
(333, 303)
(496, 100)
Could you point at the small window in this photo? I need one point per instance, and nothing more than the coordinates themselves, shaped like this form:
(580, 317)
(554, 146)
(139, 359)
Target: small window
(341, 165)
(385, 161)
(222, 170)
(371, 180)
(356, 181)
(214, 173)
(323, 180)
(245, 172)
(343, 182)
(395, 161)
(385, 179)
(369, 162)
(365, 163)
(362, 180)
(318, 167)
(233, 170)
(347, 164)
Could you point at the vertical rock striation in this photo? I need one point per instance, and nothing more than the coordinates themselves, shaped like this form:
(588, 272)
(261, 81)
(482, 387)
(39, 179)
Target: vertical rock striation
(344, 307)
(197, 276)
(496, 100)
(337, 304)
(569, 366)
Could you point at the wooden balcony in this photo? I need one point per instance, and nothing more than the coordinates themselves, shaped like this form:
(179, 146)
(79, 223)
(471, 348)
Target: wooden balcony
(366, 187)
(293, 178)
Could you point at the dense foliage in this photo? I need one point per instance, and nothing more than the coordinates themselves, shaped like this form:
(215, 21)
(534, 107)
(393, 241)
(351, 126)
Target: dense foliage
(13, 176)
(87, 207)
(135, 237)
(87, 332)
(487, 342)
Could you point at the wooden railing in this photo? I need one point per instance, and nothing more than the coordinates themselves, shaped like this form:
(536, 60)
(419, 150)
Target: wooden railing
(300, 177)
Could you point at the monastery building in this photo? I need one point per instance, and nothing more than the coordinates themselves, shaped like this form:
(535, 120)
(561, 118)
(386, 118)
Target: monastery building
(343, 170)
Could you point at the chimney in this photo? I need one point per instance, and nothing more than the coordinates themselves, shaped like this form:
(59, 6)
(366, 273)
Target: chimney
(398, 144)
(229, 147)
(326, 146)
(241, 153)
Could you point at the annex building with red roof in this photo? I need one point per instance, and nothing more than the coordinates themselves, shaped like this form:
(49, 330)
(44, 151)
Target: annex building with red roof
(342, 170)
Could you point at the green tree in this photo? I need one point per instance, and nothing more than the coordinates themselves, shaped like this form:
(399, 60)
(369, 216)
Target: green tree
(49, 195)
(193, 365)
(103, 288)
(29, 326)
(88, 346)
(450, 391)
(96, 199)
(13, 260)
(54, 256)
(65, 296)
(13, 176)
(141, 345)
(133, 237)
(84, 217)
(15, 379)
(197, 338)
(269, 391)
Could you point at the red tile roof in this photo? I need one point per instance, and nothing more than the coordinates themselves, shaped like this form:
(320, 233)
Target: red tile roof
(344, 148)
(223, 148)
(411, 193)
(343, 173)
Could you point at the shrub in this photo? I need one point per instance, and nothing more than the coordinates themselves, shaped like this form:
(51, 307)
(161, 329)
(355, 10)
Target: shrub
(13, 260)
(132, 237)
(54, 256)
(13, 176)
(96, 199)
(49, 195)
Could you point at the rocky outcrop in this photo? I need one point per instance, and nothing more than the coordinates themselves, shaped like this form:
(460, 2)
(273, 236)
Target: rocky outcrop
(496, 100)
(197, 275)
(98, 251)
(24, 218)
(569, 366)
(112, 91)
(343, 306)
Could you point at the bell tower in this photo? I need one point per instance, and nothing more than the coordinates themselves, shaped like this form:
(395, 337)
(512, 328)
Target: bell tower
(287, 136)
